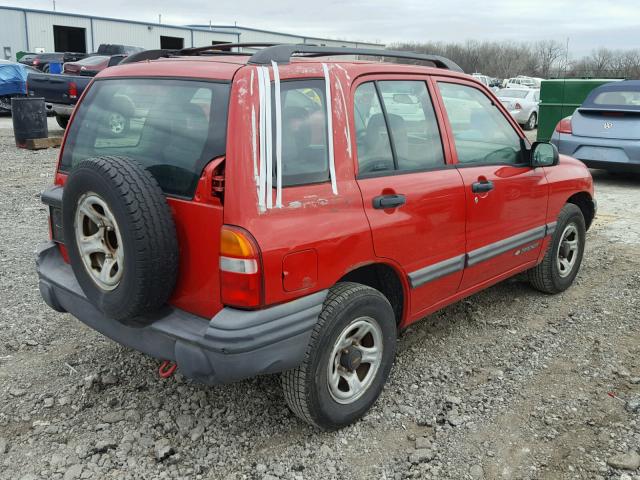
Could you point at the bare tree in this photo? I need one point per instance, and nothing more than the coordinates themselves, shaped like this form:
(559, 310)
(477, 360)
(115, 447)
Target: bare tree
(549, 54)
(545, 59)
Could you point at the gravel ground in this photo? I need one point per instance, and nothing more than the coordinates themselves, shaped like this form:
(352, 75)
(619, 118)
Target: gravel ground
(508, 384)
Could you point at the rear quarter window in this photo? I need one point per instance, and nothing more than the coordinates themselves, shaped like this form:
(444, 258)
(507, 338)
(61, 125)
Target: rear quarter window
(305, 151)
(172, 127)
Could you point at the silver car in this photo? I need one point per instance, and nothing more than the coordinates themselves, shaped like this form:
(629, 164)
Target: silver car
(522, 104)
(605, 131)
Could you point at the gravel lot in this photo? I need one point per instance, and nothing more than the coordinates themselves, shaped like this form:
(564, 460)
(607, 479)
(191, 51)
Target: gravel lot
(509, 384)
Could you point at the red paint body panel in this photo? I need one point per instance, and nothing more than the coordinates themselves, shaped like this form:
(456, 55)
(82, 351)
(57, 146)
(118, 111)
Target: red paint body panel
(427, 229)
(317, 236)
(517, 203)
(300, 270)
(566, 179)
(198, 229)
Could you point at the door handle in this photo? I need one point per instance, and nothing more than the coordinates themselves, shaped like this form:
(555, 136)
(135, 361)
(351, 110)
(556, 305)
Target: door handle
(383, 202)
(482, 186)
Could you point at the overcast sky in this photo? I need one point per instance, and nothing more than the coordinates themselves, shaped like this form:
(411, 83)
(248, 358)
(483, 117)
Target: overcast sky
(588, 24)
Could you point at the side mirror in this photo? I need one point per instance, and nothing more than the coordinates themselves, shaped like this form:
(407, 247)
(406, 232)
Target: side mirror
(544, 154)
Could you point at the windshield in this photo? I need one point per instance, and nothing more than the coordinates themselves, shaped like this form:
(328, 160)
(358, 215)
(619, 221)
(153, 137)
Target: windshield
(513, 93)
(171, 127)
(95, 60)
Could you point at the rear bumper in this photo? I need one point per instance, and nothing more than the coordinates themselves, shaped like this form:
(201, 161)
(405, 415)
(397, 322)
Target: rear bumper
(60, 109)
(520, 116)
(233, 345)
(608, 154)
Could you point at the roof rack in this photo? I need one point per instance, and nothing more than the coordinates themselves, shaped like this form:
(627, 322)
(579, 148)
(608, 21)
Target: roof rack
(149, 55)
(216, 49)
(283, 54)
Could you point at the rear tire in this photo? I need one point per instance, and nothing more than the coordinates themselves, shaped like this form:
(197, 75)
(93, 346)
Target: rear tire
(340, 349)
(561, 262)
(62, 121)
(531, 122)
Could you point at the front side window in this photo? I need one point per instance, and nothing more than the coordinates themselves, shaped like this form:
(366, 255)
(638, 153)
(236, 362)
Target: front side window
(396, 127)
(481, 132)
(305, 151)
(173, 128)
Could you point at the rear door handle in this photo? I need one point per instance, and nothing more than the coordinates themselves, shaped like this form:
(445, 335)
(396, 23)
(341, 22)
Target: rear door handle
(482, 186)
(383, 202)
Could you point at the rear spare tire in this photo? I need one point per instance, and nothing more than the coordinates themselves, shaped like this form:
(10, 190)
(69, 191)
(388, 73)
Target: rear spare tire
(120, 236)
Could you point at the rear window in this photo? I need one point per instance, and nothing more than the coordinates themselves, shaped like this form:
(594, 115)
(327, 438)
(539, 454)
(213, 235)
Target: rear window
(621, 98)
(171, 127)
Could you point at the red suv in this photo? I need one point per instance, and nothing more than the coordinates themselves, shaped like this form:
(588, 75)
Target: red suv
(281, 212)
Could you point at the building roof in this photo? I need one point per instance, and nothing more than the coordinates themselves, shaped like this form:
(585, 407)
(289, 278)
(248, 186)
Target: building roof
(224, 29)
(240, 28)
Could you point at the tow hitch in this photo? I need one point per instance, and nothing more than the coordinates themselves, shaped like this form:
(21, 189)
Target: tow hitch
(167, 369)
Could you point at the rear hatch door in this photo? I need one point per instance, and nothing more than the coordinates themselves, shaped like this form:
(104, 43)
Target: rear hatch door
(606, 123)
(176, 129)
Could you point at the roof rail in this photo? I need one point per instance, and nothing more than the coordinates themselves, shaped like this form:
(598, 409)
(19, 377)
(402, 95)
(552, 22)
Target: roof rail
(224, 47)
(283, 53)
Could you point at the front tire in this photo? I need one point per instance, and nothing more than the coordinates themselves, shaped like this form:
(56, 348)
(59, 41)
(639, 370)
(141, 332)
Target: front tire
(348, 359)
(563, 258)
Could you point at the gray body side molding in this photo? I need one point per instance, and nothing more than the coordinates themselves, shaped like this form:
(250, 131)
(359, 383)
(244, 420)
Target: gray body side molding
(455, 264)
(437, 270)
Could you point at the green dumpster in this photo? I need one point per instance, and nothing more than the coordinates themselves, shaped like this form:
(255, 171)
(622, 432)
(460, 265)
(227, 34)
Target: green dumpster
(559, 98)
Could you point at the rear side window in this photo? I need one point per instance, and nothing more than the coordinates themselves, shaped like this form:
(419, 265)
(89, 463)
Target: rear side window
(305, 152)
(173, 128)
(396, 127)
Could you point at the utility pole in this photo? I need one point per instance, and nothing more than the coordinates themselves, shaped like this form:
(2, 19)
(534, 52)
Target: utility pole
(159, 18)
(54, 5)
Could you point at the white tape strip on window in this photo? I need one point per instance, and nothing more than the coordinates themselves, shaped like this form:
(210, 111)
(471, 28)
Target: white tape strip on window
(332, 165)
(262, 166)
(254, 147)
(268, 137)
(276, 85)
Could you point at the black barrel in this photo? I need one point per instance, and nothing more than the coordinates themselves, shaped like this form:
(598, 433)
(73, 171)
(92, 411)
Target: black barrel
(29, 119)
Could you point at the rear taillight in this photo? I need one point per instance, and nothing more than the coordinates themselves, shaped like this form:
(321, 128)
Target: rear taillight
(564, 126)
(240, 268)
(73, 90)
(35, 62)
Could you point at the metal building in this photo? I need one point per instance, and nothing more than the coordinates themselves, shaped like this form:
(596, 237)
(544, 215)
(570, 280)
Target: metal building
(26, 30)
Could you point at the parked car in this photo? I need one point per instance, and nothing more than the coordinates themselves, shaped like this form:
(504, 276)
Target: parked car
(490, 82)
(27, 59)
(522, 105)
(605, 131)
(42, 60)
(60, 92)
(92, 64)
(13, 82)
(235, 243)
(520, 82)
